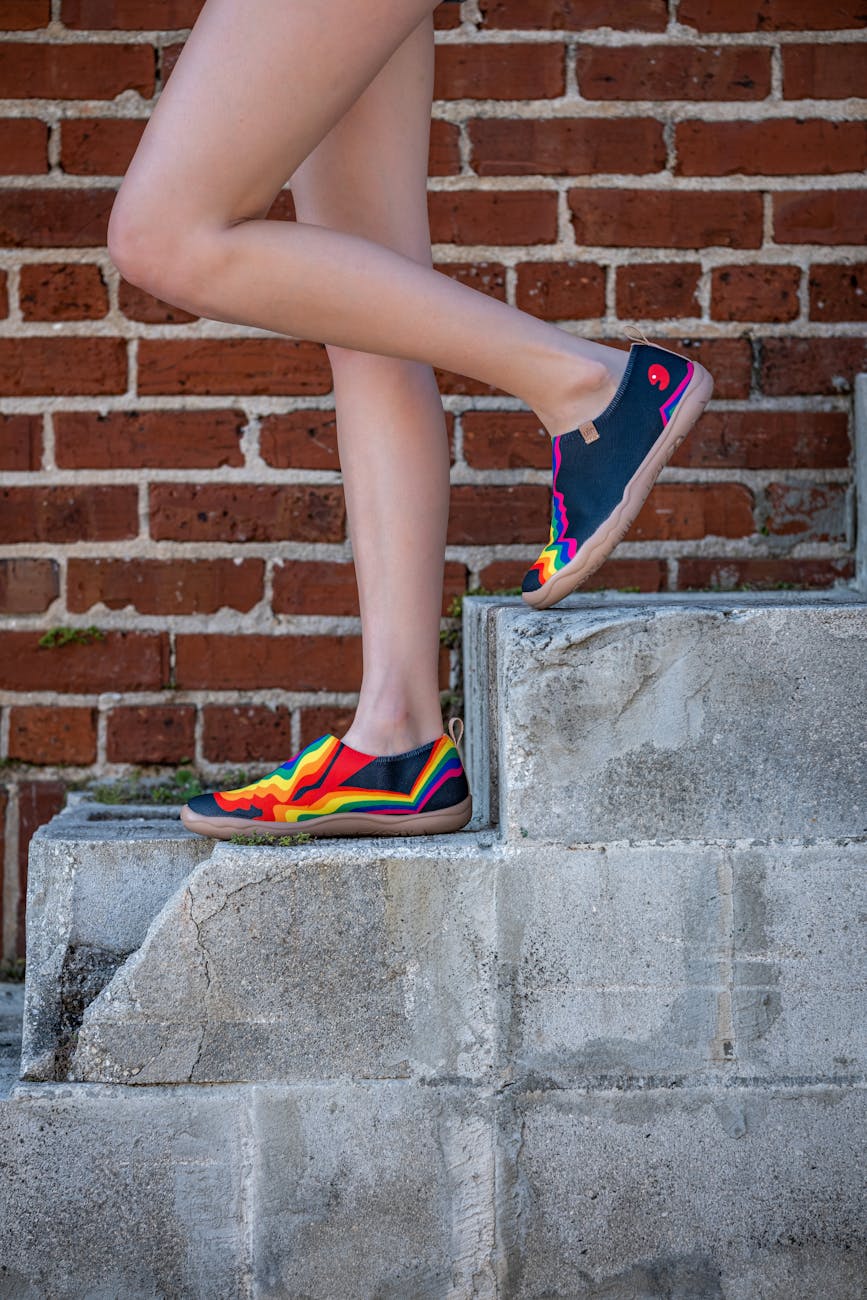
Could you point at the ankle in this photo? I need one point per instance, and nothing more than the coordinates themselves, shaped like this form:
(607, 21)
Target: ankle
(393, 731)
(586, 389)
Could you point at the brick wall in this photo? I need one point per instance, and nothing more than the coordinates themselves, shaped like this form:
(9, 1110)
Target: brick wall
(174, 482)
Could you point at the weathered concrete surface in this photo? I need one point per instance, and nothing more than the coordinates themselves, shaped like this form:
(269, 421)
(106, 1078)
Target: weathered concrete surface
(366, 958)
(671, 959)
(494, 963)
(255, 1192)
(726, 1194)
(668, 717)
(108, 1193)
(97, 876)
(11, 1017)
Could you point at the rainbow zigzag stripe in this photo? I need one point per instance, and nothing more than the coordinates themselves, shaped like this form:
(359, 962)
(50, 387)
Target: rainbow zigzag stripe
(667, 408)
(311, 784)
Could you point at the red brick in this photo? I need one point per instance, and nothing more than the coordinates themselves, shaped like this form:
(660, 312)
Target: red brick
(561, 290)
(70, 513)
(165, 586)
(505, 440)
(141, 439)
(20, 442)
(247, 512)
(244, 734)
(447, 14)
(63, 291)
(52, 735)
(325, 587)
(38, 801)
(727, 574)
(30, 367)
(308, 439)
(54, 218)
(809, 365)
(132, 15)
(770, 15)
(233, 366)
(327, 718)
(646, 575)
(149, 734)
(21, 15)
(666, 218)
(820, 217)
(23, 147)
(761, 293)
(492, 217)
(687, 511)
(574, 15)
(137, 304)
(658, 290)
(816, 510)
(673, 72)
(444, 152)
(295, 663)
(838, 292)
(500, 71)
(123, 661)
(823, 71)
(759, 439)
(778, 147)
(79, 70)
(564, 146)
(487, 277)
(485, 513)
(27, 586)
(99, 146)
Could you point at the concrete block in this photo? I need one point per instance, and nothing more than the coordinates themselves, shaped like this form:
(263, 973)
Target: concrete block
(711, 1194)
(97, 876)
(666, 717)
(123, 1193)
(366, 1190)
(369, 958)
(621, 961)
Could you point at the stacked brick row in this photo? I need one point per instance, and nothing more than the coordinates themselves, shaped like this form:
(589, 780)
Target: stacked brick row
(695, 167)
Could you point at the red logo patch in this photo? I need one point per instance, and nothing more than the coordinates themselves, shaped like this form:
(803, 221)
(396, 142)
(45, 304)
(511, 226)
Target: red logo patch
(658, 374)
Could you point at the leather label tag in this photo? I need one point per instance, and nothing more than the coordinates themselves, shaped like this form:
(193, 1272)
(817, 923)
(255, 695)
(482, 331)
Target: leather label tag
(588, 431)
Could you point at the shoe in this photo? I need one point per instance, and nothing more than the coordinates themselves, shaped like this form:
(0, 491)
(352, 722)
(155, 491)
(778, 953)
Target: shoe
(603, 470)
(329, 788)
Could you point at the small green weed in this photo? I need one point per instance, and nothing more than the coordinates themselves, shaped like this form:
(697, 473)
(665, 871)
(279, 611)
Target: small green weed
(60, 636)
(283, 841)
(12, 968)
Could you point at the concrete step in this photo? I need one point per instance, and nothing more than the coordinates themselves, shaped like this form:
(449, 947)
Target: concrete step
(389, 1189)
(669, 715)
(454, 956)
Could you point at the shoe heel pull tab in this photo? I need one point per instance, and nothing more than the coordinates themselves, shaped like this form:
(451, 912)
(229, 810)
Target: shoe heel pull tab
(457, 725)
(637, 335)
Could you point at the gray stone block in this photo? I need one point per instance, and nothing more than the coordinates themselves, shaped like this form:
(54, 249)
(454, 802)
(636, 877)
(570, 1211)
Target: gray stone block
(368, 958)
(626, 960)
(96, 878)
(667, 717)
(128, 1194)
(713, 1194)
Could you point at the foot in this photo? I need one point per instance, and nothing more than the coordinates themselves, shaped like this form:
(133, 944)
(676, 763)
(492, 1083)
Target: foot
(603, 469)
(329, 788)
(589, 383)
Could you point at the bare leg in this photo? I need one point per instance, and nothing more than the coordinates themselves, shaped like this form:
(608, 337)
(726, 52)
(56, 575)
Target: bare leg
(391, 431)
(256, 88)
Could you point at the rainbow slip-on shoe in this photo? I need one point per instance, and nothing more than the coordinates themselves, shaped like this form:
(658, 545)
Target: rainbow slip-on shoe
(603, 470)
(329, 788)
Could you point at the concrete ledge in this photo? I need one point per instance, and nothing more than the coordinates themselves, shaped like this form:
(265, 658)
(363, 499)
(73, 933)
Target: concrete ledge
(736, 715)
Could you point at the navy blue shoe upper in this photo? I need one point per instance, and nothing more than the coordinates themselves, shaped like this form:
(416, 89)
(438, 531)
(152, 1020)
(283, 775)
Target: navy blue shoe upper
(590, 469)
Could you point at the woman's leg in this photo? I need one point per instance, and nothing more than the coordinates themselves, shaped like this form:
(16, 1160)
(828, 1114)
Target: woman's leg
(391, 430)
(257, 86)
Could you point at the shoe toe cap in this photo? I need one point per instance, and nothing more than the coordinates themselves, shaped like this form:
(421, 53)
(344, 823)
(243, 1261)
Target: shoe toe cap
(531, 580)
(205, 805)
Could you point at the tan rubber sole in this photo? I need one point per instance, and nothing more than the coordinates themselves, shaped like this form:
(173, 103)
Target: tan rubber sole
(436, 822)
(592, 553)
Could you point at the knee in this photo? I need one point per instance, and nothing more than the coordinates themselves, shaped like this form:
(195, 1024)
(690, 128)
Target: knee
(162, 254)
